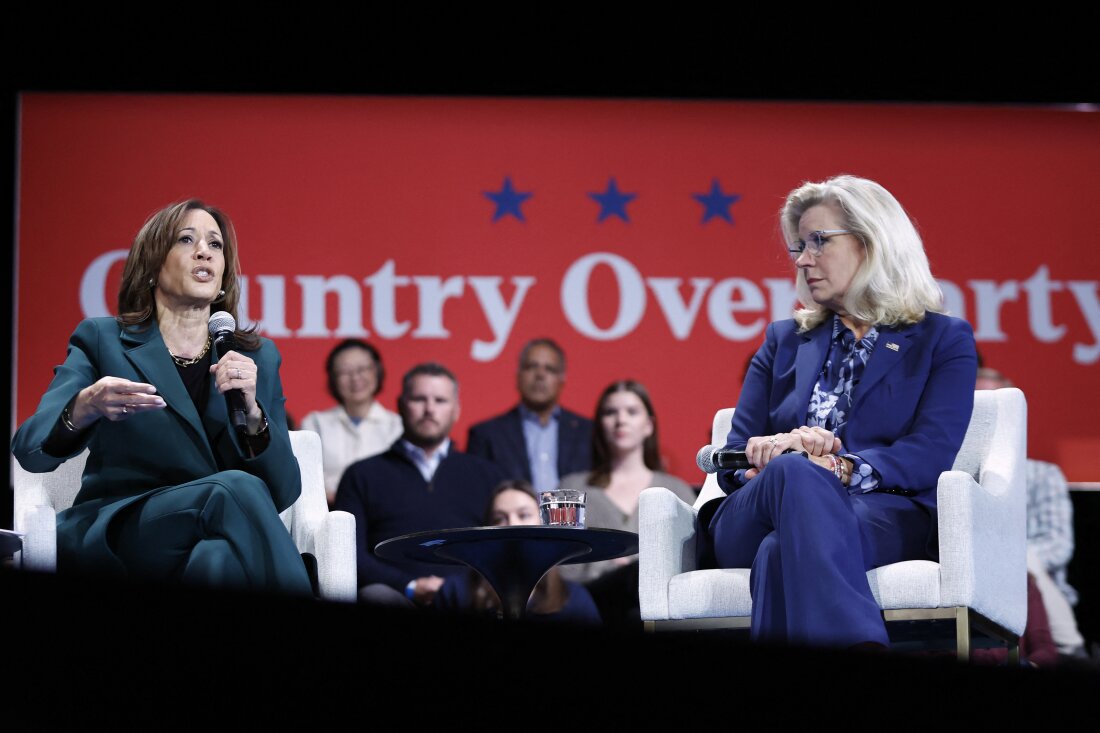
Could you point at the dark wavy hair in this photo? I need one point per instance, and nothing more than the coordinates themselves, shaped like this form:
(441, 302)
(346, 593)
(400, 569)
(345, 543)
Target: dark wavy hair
(330, 365)
(601, 451)
(136, 304)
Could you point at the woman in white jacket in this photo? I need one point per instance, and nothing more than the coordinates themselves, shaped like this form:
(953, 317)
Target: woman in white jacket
(359, 427)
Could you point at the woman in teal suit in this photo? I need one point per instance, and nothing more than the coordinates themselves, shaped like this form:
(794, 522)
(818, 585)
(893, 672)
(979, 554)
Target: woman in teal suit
(848, 414)
(170, 491)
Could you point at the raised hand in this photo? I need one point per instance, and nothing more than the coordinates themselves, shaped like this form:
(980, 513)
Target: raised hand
(115, 399)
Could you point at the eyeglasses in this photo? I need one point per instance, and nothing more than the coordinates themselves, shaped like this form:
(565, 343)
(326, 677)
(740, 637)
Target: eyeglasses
(814, 242)
(361, 371)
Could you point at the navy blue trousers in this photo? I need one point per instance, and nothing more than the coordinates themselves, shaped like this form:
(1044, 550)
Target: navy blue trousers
(810, 544)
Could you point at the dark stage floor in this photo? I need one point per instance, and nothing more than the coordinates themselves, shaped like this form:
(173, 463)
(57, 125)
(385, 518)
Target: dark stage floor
(159, 657)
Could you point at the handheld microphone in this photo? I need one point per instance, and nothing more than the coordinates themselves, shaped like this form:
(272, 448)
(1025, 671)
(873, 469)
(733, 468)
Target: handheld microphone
(711, 459)
(222, 327)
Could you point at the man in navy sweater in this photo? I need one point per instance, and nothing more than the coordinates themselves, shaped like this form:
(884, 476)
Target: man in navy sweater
(421, 483)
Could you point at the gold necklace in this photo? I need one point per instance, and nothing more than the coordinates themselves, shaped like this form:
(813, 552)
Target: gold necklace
(195, 360)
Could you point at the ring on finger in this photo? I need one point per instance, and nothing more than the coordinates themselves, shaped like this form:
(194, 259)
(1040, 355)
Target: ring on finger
(124, 409)
(238, 373)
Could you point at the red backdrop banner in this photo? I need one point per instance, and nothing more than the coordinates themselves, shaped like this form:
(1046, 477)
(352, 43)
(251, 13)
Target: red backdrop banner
(641, 235)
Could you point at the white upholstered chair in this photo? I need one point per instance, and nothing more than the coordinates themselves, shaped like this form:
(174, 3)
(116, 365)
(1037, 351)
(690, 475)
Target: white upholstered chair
(328, 536)
(979, 581)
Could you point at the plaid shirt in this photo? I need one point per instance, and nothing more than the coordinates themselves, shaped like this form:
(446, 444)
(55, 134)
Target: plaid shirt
(1050, 521)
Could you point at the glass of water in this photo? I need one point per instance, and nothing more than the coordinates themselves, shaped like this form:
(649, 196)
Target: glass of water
(562, 508)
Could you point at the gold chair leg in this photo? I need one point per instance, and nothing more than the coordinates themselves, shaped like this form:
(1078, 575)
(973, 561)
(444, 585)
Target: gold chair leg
(962, 634)
(965, 620)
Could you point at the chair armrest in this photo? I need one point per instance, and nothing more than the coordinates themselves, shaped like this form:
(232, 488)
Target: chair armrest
(305, 523)
(330, 538)
(30, 492)
(666, 547)
(982, 542)
(306, 516)
(983, 526)
(335, 553)
(39, 553)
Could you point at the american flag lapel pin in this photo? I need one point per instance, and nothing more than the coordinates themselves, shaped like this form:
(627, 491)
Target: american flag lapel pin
(892, 346)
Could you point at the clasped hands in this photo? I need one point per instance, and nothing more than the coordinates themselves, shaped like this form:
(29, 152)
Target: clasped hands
(816, 442)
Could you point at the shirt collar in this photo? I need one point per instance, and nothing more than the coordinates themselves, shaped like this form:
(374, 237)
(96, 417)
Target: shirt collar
(416, 453)
(527, 415)
(374, 413)
(839, 329)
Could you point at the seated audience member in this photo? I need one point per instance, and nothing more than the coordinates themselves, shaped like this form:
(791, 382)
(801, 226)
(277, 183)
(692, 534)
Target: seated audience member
(1037, 647)
(538, 440)
(625, 462)
(553, 599)
(1049, 539)
(420, 483)
(358, 427)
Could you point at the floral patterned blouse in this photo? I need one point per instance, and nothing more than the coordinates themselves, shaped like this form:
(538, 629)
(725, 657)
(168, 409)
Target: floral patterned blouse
(831, 401)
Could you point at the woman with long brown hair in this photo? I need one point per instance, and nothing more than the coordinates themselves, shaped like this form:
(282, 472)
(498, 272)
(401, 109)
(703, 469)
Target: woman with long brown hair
(170, 491)
(625, 462)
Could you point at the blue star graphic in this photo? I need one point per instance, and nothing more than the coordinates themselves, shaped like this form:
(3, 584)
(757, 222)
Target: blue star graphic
(716, 203)
(507, 200)
(613, 201)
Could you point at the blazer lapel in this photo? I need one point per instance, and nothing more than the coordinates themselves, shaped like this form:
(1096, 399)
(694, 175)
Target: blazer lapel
(146, 351)
(518, 444)
(215, 418)
(568, 445)
(891, 347)
(810, 357)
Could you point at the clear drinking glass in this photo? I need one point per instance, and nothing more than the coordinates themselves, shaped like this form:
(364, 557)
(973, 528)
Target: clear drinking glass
(562, 508)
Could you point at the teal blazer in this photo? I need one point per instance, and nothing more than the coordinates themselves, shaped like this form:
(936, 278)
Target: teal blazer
(131, 458)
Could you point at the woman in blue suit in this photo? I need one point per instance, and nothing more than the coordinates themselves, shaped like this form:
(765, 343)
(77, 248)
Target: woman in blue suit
(848, 415)
(170, 492)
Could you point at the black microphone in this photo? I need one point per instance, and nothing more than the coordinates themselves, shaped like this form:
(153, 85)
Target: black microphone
(222, 326)
(711, 459)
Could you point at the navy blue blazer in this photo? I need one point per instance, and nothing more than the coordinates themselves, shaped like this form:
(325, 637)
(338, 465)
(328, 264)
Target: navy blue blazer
(500, 440)
(909, 412)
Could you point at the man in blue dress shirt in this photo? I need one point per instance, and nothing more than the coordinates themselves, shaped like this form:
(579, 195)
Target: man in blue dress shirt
(538, 440)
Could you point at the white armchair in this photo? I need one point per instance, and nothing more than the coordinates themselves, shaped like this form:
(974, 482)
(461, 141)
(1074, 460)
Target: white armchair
(328, 536)
(980, 579)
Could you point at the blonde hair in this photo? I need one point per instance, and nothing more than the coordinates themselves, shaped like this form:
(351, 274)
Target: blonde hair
(894, 285)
